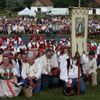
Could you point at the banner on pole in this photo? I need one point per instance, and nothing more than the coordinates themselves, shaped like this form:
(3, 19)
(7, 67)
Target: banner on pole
(79, 17)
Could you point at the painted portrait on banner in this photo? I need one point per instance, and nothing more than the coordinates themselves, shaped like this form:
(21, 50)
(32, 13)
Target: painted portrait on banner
(79, 26)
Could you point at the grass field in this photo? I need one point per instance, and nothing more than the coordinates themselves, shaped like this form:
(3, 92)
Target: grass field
(92, 93)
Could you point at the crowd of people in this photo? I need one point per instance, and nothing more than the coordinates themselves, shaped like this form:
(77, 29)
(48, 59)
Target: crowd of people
(31, 25)
(46, 25)
(94, 26)
(41, 64)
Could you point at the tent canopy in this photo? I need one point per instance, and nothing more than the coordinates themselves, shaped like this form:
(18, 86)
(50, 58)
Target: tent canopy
(27, 11)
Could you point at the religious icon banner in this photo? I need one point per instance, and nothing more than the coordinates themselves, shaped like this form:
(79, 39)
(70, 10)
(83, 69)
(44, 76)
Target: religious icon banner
(79, 17)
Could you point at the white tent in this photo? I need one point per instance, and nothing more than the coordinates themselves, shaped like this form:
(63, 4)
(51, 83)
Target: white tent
(27, 11)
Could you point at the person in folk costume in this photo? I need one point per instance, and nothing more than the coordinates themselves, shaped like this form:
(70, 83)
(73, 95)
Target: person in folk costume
(98, 55)
(83, 60)
(69, 75)
(11, 47)
(58, 49)
(31, 73)
(19, 66)
(1, 42)
(18, 61)
(41, 52)
(98, 60)
(4, 38)
(98, 49)
(22, 47)
(4, 42)
(8, 80)
(1, 55)
(17, 40)
(41, 49)
(52, 44)
(63, 40)
(41, 42)
(50, 69)
(33, 42)
(89, 69)
(12, 61)
(3, 46)
(65, 57)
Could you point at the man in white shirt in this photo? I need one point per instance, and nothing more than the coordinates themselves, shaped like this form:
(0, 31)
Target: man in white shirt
(48, 62)
(69, 74)
(90, 68)
(98, 55)
(32, 72)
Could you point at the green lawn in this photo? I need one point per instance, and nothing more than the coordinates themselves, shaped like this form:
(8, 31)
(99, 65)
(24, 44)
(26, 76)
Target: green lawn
(92, 93)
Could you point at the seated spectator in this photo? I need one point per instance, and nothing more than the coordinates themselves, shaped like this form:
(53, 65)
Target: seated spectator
(89, 69)
(31, 74)
(69, 74)
(98, 61)
(49, 63)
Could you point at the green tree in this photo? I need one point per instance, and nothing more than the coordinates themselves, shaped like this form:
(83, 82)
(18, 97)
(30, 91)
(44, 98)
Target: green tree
(68, 3)
(84, 3)
(28, 3)
(14, 5)
(2, 4)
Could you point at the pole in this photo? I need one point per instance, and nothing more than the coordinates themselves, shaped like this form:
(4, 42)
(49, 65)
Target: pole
(78, 75)
(78, 64)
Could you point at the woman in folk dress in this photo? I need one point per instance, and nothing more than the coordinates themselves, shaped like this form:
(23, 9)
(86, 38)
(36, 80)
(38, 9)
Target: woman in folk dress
(8, 80)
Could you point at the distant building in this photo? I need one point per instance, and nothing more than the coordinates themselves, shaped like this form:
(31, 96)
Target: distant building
(42, 5)
(95, 7)
(94, 3)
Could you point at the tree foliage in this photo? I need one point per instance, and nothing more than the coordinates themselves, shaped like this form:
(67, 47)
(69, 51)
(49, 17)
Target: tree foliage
(14, 4)
(20, 4)
(28, 3)
(70, 3)
(2, 4)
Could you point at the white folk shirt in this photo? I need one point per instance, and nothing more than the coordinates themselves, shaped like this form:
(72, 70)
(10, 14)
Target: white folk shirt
(91, 66)
(31, 70)
(98, 50)
(73, 72)
(84, 59)
(65, 75)
(48, 64)
(63, 71)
